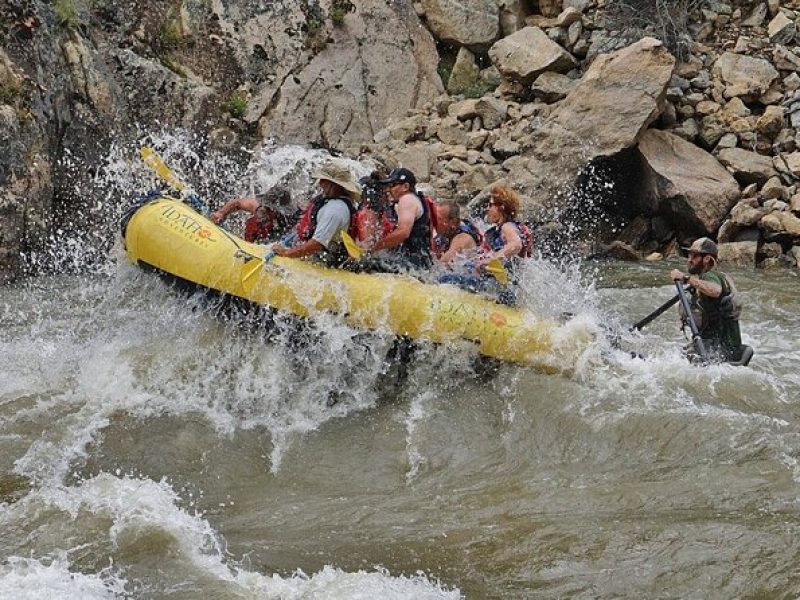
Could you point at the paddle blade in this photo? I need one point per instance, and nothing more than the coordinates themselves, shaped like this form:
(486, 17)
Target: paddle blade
(353, 249)
(154, 161)
(496, 269)
(251, 267)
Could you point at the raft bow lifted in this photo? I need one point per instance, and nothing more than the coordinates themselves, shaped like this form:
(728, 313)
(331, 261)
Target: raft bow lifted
(169, 236)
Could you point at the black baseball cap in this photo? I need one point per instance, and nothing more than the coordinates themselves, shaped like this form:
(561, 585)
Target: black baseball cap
(400, 175)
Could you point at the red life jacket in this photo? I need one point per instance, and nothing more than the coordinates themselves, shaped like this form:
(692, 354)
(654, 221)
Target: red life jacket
(256, 231)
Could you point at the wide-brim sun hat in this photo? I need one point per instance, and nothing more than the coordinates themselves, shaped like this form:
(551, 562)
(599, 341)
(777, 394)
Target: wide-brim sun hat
(340, 175)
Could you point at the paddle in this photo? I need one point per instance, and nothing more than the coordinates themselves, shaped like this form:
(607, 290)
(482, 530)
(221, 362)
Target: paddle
(354, 251)
(687, 308)
(255, 263)
(656, 313)
(496, 269)
(155, 162)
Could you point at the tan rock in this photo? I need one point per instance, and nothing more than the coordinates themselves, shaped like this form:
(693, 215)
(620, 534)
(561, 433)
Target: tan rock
(744, 214)
(741, 254)
(792, 161)
(466, 22)
(451, 133)
(492, 111)
(744, 75)
(773, 189)
(685, 181)
(794, 203)
(550, 8)
(552, 87)
(747, 167)
(523, 55)
(770, 123)
(568, 16)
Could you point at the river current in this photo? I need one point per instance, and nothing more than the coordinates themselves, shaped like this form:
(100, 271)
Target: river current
(150, 449)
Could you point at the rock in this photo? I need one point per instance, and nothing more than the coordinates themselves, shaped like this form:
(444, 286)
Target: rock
(792, 81)
(477, 179)
(568, 16)
(654, 257)
(451, 133)
(222, 139)
(86, 78)
(706, 107)
(579, 5)
(773, 188)
(618, 97)
(770, 250)
(741, 254)
(781, 29)
(419, 158)
(794, 203)
(729, 140)
(574, 32)
(523, 55)
(747, 167)
(465, 23)
(621, 251)
(783, 221)
(792, 162)
(688, 130)
(685, 182)
(785, 60)
(756, 17)
(552, 87)
(794, 253)
(345, 92)
(744, 214)
(736, 108)
(465, 72)
(409, 129)
(492, 111)
(503, 148)
(463, 110)
(770, 123)
(744, 75)
(550, 8)
(476, 139)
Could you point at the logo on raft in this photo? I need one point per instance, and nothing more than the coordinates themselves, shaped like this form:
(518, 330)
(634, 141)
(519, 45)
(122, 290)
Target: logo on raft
(186, 224)
(456, 311)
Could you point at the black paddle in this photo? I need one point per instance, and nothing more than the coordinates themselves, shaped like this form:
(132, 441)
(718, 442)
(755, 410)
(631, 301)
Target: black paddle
(653, 315)
(687, 308)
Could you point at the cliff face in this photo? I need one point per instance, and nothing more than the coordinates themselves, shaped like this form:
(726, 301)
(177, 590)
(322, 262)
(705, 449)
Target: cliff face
(76, 77)
(692, 130)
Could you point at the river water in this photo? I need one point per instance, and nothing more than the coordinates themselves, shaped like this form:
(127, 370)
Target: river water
(149, 449)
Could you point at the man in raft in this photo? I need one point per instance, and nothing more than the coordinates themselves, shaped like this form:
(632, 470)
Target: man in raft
(319, 231)
(408, 245)
(714, 304)
(267, 221)
(456, 237)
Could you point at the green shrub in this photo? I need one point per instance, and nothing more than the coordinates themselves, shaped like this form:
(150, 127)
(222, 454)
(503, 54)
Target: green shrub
(66, 13)
(237, 105)
(170, 36)
(478, 89)
(10, 92)
(173, 66)
(444, 69)
(340, 9)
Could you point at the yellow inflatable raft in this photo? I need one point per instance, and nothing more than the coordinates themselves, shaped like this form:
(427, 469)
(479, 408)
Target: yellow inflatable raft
(171, 237)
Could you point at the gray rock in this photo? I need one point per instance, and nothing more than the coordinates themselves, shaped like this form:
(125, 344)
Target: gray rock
(781, 29)
(492, 111)
(773, 188)
(756, 17)
(465, 73)
(744, 214)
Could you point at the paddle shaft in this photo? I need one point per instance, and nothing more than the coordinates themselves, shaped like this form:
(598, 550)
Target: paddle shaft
(687, 308)
(656, 313)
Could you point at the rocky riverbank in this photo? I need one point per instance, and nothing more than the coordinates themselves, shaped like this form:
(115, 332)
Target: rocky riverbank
(633, 129)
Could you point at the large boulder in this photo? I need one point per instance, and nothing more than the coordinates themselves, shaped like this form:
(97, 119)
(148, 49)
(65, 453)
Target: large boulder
(685, 182)
(742, 254)
(523, 55)
(465, 23)
(617, 99)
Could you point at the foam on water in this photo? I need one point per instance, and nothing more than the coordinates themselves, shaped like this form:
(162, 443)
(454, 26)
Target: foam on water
(32, 579)
(132, 510)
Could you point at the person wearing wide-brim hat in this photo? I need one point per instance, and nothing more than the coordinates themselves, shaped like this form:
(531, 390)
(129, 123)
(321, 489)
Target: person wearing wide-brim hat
(326, 217)
(714, 302)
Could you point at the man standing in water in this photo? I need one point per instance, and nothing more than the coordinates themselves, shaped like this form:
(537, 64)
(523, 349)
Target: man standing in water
(714, 305)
